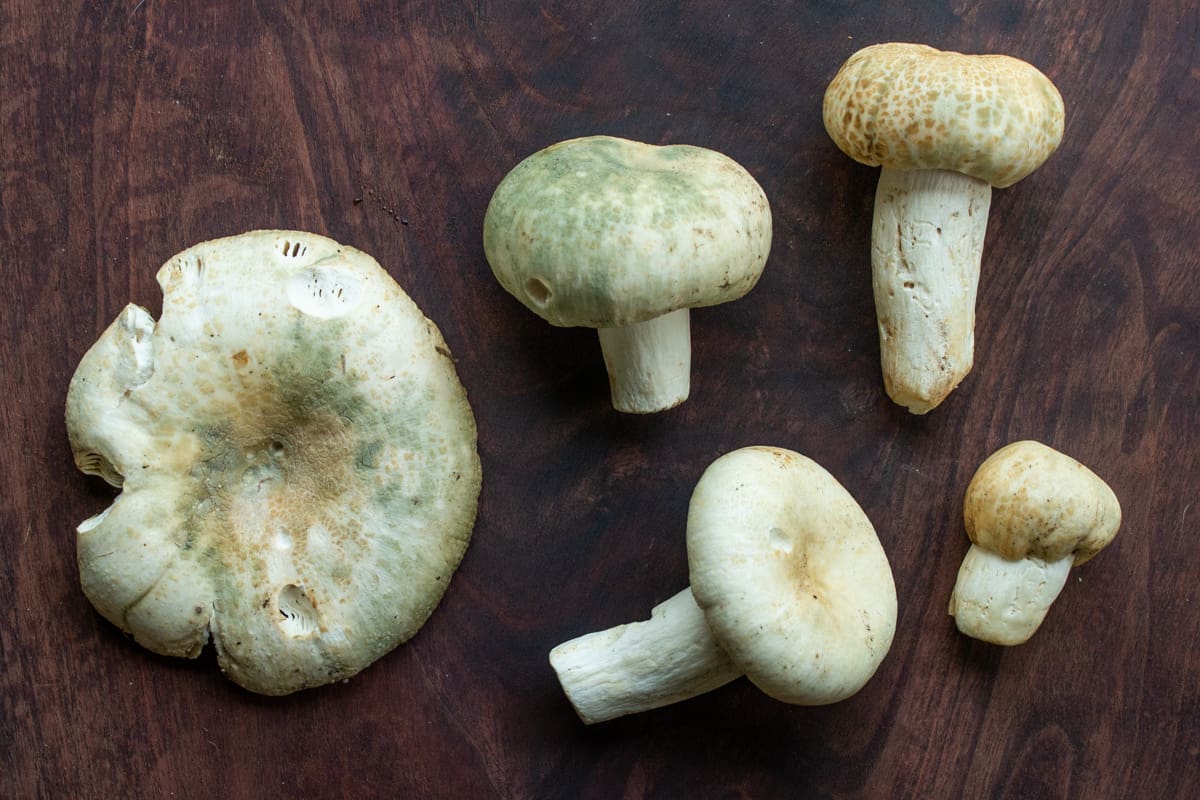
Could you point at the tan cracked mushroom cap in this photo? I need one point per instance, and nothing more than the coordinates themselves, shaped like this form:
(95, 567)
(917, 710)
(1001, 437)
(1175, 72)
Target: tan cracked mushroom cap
(790, 574)
(601, 232)
(296, 457)
(911, 106)
(1031, 513)
(945, 128)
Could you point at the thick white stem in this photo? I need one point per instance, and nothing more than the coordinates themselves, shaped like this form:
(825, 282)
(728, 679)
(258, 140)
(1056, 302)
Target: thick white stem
(1002, 601)
(643, 665)
(926, 246)
(649, 363)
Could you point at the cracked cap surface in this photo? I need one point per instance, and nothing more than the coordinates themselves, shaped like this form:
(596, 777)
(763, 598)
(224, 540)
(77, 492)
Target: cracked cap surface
(910, 106)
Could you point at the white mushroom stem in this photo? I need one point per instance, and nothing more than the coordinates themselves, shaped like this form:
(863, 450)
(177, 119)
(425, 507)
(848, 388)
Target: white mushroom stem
(926, 246)
(1002, 601)
(649, 363)
(643, 665)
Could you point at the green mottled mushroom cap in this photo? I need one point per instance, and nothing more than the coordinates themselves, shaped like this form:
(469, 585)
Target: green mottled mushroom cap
(602, 232)
(910, 106)
(296, 457)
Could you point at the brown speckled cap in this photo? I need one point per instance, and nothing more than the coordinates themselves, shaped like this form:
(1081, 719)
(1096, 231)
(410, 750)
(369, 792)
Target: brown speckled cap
(1032, 513)
(910, 106)
(1029, 500)
(296, 457)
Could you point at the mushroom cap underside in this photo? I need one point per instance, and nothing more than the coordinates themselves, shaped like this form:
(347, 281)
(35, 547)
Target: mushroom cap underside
(296, 455)
(791, 575)
(601, 232)
(910, 106)
(1028, 499)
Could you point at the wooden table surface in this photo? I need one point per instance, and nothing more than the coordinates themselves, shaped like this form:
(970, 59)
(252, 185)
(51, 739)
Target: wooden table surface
(132, 130)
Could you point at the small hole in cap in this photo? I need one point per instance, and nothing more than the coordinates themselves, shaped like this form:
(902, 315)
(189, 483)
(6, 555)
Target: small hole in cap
(538, 291)
(781, 541)
(297, 613)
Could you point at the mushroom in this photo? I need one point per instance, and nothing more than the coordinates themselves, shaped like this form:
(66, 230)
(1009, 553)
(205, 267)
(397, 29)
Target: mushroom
(1031, 513)
(789, 586)
(945, 127)
(626, 237)
(296, 459)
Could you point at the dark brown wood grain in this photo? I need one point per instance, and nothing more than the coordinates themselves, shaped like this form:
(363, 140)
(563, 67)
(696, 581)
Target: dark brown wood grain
(131, 130)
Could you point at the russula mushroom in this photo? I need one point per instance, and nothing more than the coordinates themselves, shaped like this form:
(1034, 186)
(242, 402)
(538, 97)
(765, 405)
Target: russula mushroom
(296, 459)
(1031, 513)
(625, 237)
(789, 587)
(945, 128)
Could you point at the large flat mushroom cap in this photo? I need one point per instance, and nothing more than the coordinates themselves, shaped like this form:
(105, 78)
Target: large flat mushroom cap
(602, 232)
(296, 456)
(790, 574)
(910, 106)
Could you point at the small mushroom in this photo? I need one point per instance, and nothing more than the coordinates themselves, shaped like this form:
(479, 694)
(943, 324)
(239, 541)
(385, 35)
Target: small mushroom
(789, 586)
(945, 127)
(296, 459)
(1031, 513)
(625, 237)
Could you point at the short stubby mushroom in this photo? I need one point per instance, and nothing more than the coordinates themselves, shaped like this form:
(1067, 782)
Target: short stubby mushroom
(296, 457)
(1031, 513)
(789, 587)
(945, 127)
(625, 237)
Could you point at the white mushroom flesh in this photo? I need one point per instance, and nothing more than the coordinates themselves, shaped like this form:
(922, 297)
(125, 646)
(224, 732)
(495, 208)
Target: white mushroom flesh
(1004, 601)
(649, 363)
(926, 249)
(642, 665)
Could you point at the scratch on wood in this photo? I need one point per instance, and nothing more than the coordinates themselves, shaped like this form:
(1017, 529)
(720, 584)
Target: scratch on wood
(917, 472)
